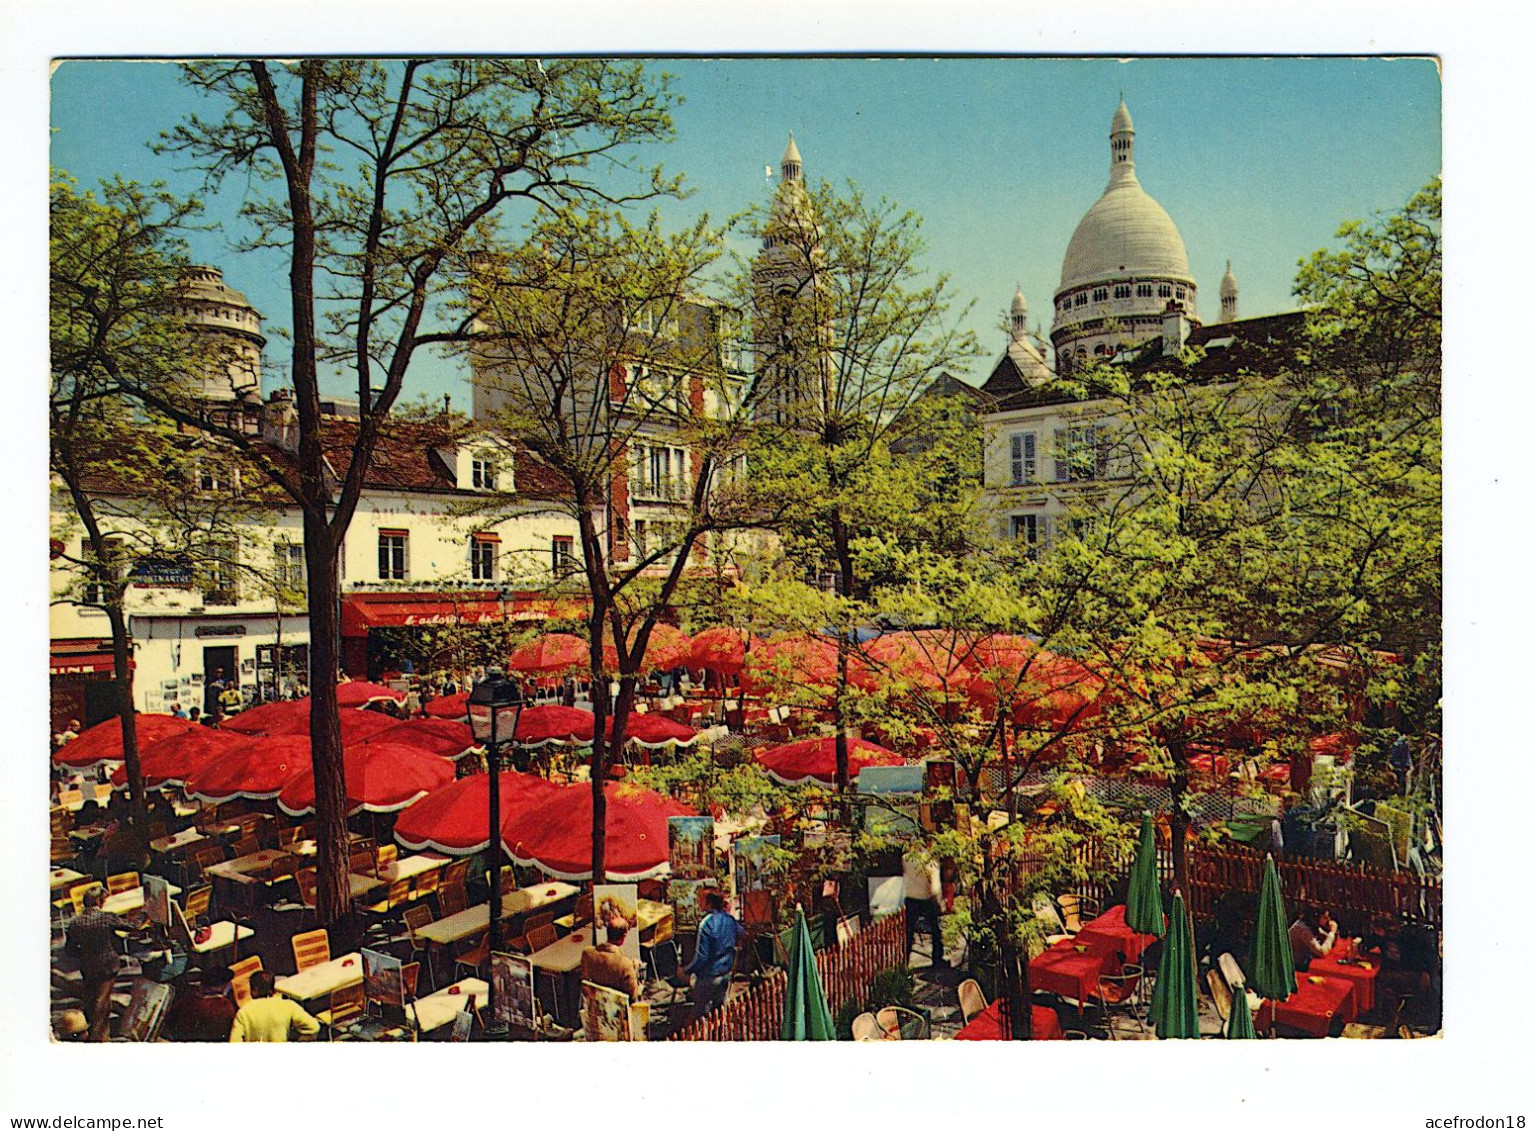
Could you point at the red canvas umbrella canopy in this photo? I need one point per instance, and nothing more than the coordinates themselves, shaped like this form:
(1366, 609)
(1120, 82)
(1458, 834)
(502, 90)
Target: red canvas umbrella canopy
(452, 818)
(802, 661)
(922, 661)
(815, 760)
(666, 648)
(104, 741)
(170, 761)
(1338, 746)
(257, 769)
(722, 650)
(291, 717)
(554, 653)
(654, 731)
(449, 707)
(550, 722)
(443, 737)
(555, 836)
(359, 693)
(382, 777)
(1052, 692)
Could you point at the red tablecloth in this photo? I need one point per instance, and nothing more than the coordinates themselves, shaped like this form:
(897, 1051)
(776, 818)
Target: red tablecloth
(1068, 972)
(1110, 930)
(1363, 980)
(988, 1026)
(1313, 1006)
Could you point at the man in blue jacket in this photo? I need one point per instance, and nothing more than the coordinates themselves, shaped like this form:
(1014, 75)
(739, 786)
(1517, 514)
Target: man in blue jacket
(714, 956)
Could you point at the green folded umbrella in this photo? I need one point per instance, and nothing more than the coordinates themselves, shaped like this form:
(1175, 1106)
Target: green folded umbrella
(806, 1017)
(1144, 902)
(1271, 969)
(1240, 1024)
(1175, 1001)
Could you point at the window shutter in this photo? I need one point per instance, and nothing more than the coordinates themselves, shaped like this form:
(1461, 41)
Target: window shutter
(1101, 444)
(1016, 457)
(1029, 456)
(1059, 455)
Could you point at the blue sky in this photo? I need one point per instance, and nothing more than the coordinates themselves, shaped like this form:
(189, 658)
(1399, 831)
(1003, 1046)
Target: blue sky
(1258, 160)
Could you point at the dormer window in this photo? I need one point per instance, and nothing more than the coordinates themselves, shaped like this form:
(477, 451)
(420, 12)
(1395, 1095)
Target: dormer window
(482, 474)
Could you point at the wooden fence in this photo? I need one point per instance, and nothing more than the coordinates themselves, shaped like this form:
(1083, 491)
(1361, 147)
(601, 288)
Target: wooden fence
(1356, 890)
(846, 973)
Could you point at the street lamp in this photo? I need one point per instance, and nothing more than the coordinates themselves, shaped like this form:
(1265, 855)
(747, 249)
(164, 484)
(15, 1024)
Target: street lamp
(495, 708)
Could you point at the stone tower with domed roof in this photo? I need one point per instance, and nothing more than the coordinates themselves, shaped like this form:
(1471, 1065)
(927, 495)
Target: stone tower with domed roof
(1125, 265)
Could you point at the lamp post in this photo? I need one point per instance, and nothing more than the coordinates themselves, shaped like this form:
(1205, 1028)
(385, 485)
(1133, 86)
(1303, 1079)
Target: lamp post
(495, 708)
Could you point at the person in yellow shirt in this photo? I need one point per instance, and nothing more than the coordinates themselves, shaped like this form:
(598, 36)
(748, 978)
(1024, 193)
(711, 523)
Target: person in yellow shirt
(268, 1018)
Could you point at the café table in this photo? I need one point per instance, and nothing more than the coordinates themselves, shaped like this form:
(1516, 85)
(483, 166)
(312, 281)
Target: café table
(439, 1009)
(323, 979)
(561, 960)
(409, 867)
(170, 845)
(988, 1024)
(472, 920)
(252, 867)
(1110, 930)
(131, 900)
(1070, 970)
(1360, 973)
(1317, 1002)
(64, 877)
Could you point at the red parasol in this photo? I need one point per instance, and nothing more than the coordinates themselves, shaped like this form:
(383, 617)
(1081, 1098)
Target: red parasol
(815, 760)
(802, 661)
(291, 717)
(443, 737)
(722, 650)
(555, 836)
(449, 707)
(104, 741)
(666, 648)
(550, 722)
(1050, 693)
(654, 731)
(382, 777)
(554, 653)
(258, 768)
(359, 693)
(1337, 746)
(922, 661)
(451, 819)
(170, 761)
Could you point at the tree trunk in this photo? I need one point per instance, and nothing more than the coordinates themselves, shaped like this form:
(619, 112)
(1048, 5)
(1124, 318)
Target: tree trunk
(1178, 819)
(601, 710)
(333, 899)
(844, 551)
(122, 678)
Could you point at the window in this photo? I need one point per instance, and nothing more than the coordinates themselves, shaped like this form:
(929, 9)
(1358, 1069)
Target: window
(562, 554)
(483, 549)
(1164, 291)
(1024, 528)
(214, 475)
(223, 584)
(1021, 458)
(110, 570)
(1081, 299)
(482, 474)
(1143, 290)
(1100, 294)
(1123, 291)
(1178, 292)
(394, 564)
(1082, 453)
(661, 473)
(288, 566)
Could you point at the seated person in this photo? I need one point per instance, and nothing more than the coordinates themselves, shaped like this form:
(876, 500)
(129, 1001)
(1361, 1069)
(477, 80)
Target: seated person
(607, 964)
(270, 1019)
(1312, 936)
(207, 1013)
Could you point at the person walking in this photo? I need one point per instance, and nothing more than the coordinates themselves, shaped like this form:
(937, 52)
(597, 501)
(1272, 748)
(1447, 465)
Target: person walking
(714, 955)
(267, 1019)
(91, 939)
(922, 887)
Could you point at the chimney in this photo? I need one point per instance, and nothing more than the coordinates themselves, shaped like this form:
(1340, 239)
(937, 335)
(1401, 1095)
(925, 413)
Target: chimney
(1175, 329)
(280, 422)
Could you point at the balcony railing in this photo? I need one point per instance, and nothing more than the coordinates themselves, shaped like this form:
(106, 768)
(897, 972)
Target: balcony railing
(669, 490)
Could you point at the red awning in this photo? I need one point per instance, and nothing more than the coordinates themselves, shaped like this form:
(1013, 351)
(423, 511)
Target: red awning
(72, 659)
(363, 611)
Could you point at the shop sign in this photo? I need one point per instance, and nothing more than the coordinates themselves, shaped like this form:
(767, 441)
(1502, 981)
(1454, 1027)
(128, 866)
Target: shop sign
(154, 573)
(203, 631)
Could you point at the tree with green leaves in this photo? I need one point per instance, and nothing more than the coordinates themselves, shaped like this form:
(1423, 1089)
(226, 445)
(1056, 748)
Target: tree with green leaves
(377, 178)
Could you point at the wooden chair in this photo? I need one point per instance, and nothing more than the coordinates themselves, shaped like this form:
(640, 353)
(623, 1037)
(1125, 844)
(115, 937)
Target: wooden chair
(451, 900)
(972, 1001)
(77, 895)
(399, 892)
(197, 903)
(1119, 990)
(123, 881)
(290, 836)
(475, 954)
(867, 1028)
(311, 949)
(306, 880)
(426, 884)
(346, 1004)
(1045, 911)
(361, 863)
(541, 936)
(415, 918)
(410, 973)
(283, 867)
(246, 846)
(508, 881)
(456, 873)
(1075, 910)
(203, 857)
(383, 857)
